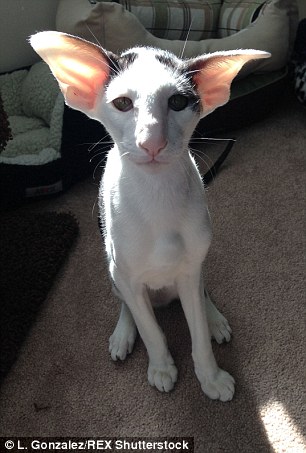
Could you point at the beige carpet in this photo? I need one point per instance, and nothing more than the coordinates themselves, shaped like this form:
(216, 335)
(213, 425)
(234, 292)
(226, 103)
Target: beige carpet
(65, 384)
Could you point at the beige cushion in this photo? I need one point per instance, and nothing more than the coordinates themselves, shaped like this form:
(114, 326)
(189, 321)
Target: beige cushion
(116, 29)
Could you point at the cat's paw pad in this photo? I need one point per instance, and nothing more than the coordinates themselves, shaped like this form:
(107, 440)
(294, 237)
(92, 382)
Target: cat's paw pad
(162, 377)
(220, 386)
(219, 327)
(121, 343)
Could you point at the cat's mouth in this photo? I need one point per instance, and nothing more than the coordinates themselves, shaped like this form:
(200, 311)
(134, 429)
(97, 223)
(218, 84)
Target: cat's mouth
(153, 163)
(150, 162)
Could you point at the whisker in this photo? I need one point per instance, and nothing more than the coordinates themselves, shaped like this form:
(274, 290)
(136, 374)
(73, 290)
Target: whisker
(200, 155)
(96, 155)
(94, 207)
(93, 35)
(96, 167)
(183, 50)
(93, 145)
(103, 61)
(125, 154)
(212, 170)
(211, 140)
(187, 171)
(102, 143)
(110, 142)
(194, 71)
(114, 68)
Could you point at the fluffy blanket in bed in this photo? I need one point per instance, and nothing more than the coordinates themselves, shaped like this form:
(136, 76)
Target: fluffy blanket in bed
(35, 106)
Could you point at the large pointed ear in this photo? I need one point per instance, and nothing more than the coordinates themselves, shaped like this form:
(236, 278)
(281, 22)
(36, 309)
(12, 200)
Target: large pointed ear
(81, 68)
(213, 74)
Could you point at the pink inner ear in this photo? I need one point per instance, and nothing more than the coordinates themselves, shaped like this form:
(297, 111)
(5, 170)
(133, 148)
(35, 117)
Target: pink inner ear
(75, 98)
(213, 93)
(213, 82)
(214, 74)
(81, 76)
(82, 85)
(80, 67)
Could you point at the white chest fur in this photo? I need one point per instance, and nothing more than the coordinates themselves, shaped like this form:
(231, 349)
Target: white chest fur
(157, 224)
(165, 260)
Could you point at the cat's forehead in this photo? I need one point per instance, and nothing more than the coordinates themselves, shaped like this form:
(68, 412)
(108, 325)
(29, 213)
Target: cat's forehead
(152, 56)
(147, 70)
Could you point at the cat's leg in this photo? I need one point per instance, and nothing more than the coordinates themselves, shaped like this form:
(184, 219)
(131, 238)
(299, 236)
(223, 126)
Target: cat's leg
(218, 326)
(123, 338)
(162, 372)
(215, 382)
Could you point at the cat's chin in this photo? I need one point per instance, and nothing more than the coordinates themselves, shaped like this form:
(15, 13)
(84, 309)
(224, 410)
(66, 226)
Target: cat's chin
(152, 164)
(153, 167)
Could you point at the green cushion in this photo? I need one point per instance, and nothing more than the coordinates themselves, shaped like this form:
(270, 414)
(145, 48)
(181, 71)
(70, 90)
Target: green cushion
(177, 19)
(237, 15)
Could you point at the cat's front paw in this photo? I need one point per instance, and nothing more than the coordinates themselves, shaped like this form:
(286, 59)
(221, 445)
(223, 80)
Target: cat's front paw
(218, 325)
(219, 328)
(122, 342)
(162, 377)
(219, 386)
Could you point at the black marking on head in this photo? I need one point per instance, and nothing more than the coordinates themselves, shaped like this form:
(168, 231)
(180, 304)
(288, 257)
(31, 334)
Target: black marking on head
(127, 59)
(167, 60)
(186, 85)
(180, 69)
(195, 102)
(117, 64)
(112, 60)
(189, 70)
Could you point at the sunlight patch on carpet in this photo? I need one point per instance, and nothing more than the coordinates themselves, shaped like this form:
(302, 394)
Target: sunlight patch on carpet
(283, 434)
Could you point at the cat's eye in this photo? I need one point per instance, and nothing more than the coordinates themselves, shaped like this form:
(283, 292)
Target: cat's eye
(178, 102)
(123, 104)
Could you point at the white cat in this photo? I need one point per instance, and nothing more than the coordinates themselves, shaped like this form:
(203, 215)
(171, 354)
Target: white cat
(156, 222)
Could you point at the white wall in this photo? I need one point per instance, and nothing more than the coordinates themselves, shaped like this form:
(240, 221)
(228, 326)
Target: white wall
(302, 8)
(18, 20)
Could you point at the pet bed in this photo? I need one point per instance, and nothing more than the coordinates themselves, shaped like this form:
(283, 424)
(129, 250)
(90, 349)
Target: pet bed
(47, 144)
(187, 28)
(191, 28)
(298, 63)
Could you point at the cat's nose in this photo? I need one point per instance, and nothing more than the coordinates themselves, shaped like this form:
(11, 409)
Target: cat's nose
(153, 146)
